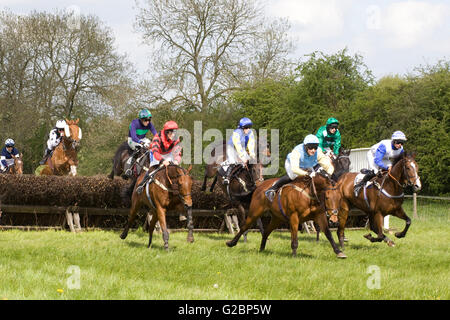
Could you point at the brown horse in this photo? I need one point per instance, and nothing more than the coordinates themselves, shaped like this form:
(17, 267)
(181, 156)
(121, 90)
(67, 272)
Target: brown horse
(299, 201)
(243, 180)
(384, 197)
(17, 167)
(341, 164)
(123, 153)
(64, 158)
(160, 196)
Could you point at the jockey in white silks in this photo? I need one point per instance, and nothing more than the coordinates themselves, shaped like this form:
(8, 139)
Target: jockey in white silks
(241, 148)
(54, 138)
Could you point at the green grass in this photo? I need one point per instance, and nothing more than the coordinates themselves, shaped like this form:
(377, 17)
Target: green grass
(34, 265)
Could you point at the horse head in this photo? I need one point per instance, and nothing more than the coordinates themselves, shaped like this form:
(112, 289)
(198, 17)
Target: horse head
(410, 171)
(329, 193)
(256, 173)
(75, 134)
(341, 163)
(184, 181)
(18, 164)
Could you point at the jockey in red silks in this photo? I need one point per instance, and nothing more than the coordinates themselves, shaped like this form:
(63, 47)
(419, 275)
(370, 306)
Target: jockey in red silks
(165, 149)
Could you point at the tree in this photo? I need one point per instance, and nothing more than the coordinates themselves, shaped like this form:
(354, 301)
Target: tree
(204, 49)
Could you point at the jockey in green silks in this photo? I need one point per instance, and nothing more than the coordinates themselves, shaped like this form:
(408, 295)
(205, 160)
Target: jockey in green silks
(330, 137)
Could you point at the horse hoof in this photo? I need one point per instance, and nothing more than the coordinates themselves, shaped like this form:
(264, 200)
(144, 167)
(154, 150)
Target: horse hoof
(391, 243)
(230, 244)
(399, 235)
(368, 236)
(123, 236)
(341, 255)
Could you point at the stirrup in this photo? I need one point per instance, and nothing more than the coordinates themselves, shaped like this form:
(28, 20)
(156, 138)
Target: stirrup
(226, 181)
(129, 173)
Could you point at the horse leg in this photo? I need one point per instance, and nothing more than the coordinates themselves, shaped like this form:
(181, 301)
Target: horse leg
(376, 224)
(316, 226)
(249, 221)
(400, 213)
(135, 206)
(342, 218)
(205, 178)
(190, 225)
(151, 228)
(161, 212)
(321, 220)
(273, 224)
(294, 233)
(213, 184)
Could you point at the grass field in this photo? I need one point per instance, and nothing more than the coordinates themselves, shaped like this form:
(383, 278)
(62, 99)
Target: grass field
(99, 265)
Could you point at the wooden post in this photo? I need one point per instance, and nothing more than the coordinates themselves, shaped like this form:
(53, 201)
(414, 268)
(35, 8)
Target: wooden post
(415, 206)
(236, 221)
(69, 218)
(229, 223)
(76, 219)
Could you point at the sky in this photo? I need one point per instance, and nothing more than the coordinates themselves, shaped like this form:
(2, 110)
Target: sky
(394, 37)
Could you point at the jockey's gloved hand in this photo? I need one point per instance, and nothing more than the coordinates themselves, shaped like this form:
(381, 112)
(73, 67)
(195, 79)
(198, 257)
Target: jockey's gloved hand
(312, 174)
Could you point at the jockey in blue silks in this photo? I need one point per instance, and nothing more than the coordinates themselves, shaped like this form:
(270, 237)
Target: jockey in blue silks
(301, 162)
(7, 154)
(241, 147)
(380, 156)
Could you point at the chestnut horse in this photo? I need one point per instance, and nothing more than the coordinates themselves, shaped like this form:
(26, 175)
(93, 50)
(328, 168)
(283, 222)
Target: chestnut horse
(160, 196)
(384, 197)
(299, 201)
(341, 164)
(64, 158)
(17, 167)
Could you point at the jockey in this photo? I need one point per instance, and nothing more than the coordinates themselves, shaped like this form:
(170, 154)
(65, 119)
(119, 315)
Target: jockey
(136, 136)
(380, 155)
(54, 138)
(8, 152)
(165, 147)
(301, 162)
(330, 137)
(240, 148)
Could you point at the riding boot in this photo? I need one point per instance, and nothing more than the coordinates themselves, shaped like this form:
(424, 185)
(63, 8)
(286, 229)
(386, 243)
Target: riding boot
(369, 175)
(130, 162)
(270, 193)
(47, 153)
(148, 178)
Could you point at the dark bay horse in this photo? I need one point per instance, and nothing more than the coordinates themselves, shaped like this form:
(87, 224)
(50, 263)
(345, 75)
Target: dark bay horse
(384, 197)
(341, 164)
(161, 196)
(121, 156)
(243, 180)
(299, 201)
(64, 158)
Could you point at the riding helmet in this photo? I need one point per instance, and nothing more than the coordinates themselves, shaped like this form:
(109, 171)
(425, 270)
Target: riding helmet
(245, 123)
(170, 125)
(311, 139)
(398, 135)
(9, 143)
(61, 124)
(144, 113)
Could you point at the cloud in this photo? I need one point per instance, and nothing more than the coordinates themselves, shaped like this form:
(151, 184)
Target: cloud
(312, 20)
(406, 24)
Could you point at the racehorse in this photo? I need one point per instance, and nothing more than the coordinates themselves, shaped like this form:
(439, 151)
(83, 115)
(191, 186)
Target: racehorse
(243, 181)
(384, 197)
(299, 201)
(17, 167)
(64, 158)
(121, 156)
(160, 196)
(341, 164)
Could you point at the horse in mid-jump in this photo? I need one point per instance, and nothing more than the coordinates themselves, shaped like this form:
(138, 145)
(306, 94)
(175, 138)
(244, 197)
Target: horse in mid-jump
(123, 153)
(299, 201)
(243, 181)
(383, 197)
(17, 167)
(64, 159)
(161, 196)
